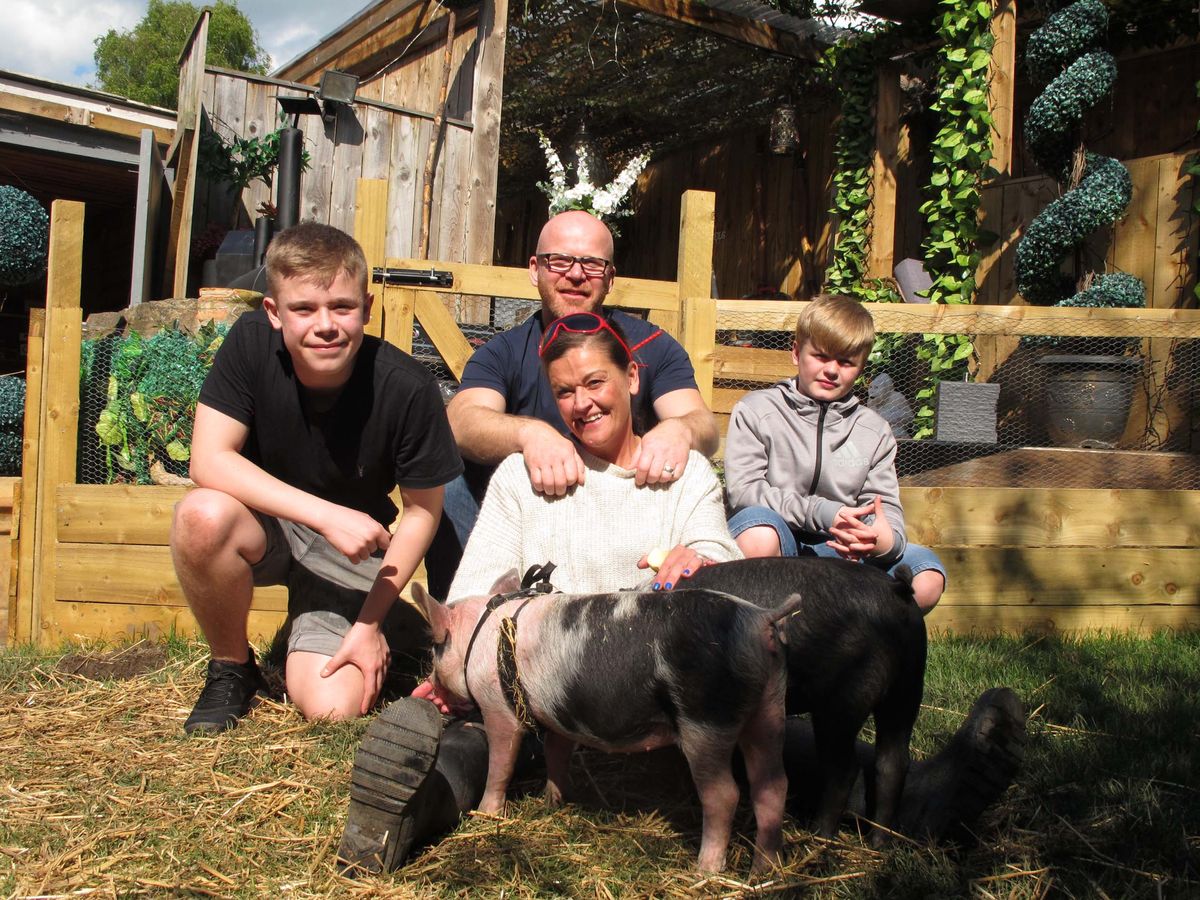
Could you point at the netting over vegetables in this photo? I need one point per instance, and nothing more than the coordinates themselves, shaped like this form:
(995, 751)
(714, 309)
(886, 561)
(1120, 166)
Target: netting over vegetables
(137, 402)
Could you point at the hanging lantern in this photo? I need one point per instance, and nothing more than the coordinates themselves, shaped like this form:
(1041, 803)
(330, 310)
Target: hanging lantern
(585, 151)
(785, 134)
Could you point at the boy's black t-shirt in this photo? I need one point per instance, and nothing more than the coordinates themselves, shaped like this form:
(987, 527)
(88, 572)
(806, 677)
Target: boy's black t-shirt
(387, 427)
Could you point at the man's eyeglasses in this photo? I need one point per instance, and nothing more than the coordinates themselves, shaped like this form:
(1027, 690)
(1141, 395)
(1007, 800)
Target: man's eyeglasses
(588, 323)
(562, 263)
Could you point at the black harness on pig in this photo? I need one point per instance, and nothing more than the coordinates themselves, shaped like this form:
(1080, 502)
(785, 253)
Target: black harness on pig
(536, 581)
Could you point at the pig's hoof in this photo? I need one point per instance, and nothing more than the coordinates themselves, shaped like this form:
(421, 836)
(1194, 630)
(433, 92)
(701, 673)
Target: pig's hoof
(391, 766)
(946, 795)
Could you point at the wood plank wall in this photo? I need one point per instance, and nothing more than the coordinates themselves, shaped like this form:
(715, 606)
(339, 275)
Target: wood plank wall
(1155, 239)
(772, 229)
(369, 140)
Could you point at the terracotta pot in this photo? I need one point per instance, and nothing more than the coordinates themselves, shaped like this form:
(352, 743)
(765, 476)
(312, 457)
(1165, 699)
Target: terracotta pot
(1088, 398)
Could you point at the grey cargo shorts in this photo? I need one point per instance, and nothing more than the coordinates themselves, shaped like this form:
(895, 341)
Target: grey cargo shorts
(326, 593)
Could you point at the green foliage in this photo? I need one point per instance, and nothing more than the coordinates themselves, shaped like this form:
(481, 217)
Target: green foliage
(12, 421)
(142, 64)
(152, 388)
(1067, 55)
(24, 236)
(961, 151)
(852, 68)
(240, 161)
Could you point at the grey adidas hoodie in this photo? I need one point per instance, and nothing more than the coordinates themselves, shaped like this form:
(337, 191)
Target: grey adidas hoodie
(781, 441)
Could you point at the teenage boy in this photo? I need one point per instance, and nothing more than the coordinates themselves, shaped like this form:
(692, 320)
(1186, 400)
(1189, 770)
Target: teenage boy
(304, 427)
(808, 466)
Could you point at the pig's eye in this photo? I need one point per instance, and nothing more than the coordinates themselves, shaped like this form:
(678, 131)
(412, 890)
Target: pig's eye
(440, 647)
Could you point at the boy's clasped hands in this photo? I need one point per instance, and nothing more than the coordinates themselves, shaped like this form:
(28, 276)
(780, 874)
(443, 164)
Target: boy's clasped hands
(857, 538)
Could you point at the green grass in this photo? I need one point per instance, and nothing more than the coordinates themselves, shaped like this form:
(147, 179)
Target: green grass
(101, 795)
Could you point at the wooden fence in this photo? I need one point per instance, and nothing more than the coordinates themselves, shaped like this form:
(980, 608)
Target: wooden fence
(93, 559)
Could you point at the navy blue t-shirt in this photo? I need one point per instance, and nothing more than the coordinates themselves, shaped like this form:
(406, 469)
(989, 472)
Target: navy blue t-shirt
(388, 425)
(509, 363)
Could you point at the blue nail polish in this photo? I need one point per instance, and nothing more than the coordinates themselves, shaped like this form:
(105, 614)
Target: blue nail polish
(668, 585)
(687, 572)
(657, 585)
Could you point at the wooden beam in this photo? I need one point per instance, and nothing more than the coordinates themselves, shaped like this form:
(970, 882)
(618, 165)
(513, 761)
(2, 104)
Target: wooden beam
(128, 621)
(487, 99)
(1040, 517)
(694, 268)
(129, 574)
(59, 427)
(1017, 619)
(116, 513)
(882, 249)
(370, 230)
(78, 115)
(21, 611)
(1081, 576)
(443, 331)
(504, 281)
(1002, 80)
(940, 318)
(727, 25)
(369, 41)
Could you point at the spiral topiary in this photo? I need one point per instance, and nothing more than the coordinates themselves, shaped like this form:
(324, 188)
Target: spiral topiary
(1067, 56)
(24, 234)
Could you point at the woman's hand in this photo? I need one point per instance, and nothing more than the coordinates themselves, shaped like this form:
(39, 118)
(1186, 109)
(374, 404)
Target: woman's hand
(681, 562)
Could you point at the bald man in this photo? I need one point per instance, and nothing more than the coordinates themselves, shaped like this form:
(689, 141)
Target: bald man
(504, 404)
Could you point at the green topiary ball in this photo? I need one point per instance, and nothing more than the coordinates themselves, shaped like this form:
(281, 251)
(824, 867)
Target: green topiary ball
(12, 419)
(24, 234)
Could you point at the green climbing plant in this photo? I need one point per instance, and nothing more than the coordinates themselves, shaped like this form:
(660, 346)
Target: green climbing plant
(961, 151)
(851, 67)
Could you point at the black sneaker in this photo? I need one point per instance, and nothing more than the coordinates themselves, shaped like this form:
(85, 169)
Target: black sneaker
(228, 694)
(391, 766)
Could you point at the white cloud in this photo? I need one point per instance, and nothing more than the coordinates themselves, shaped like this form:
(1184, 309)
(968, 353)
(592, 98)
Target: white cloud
(55, 38)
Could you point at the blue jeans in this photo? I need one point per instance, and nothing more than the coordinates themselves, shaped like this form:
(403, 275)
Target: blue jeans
(917, 558)
(460, 509)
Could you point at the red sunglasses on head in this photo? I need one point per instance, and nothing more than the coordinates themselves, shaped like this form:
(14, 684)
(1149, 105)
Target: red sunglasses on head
(588, 323)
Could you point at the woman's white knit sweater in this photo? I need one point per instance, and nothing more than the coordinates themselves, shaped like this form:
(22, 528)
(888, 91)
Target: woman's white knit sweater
(597, 532)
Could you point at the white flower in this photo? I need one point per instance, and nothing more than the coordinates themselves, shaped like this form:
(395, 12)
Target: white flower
(602, 202)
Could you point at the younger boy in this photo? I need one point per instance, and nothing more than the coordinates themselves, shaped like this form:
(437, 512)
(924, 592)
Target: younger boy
(806, 465)
(304, 426)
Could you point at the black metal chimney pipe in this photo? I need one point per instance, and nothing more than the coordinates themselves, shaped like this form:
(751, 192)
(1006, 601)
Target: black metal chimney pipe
(287, 210)
(262, 237)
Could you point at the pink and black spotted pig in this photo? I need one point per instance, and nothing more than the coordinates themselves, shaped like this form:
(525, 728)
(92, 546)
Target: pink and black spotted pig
(626, 672)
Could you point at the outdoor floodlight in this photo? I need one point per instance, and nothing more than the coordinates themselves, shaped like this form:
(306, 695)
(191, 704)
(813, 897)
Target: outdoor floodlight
(336, 89)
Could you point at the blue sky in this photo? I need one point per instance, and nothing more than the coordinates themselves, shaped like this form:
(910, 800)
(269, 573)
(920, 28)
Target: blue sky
(54, 38)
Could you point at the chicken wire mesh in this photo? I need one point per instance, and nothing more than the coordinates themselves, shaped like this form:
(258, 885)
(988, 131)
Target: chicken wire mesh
(138, 395)
(1055, 410)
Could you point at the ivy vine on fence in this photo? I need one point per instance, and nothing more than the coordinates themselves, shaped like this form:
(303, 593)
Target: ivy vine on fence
(961, 151)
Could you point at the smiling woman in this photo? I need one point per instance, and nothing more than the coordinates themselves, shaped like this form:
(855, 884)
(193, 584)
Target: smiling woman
(600, 532)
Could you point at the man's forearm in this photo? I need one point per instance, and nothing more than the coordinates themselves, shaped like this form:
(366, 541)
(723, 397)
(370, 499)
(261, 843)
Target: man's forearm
(486, 436)
(703, 427)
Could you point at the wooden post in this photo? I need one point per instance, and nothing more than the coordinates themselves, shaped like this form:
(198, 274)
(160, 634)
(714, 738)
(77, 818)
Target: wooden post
(399, 304)
(20, 618)
(881, 256)
(59, 427)
(697, 310)
(370, 230)
(1002, 77)
(184, 153)
(491, 34)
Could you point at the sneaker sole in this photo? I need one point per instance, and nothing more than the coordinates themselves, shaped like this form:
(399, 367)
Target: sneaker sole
(393, 761)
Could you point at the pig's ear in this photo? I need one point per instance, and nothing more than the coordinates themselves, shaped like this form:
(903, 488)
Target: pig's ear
(435, 613)
(508, 582)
